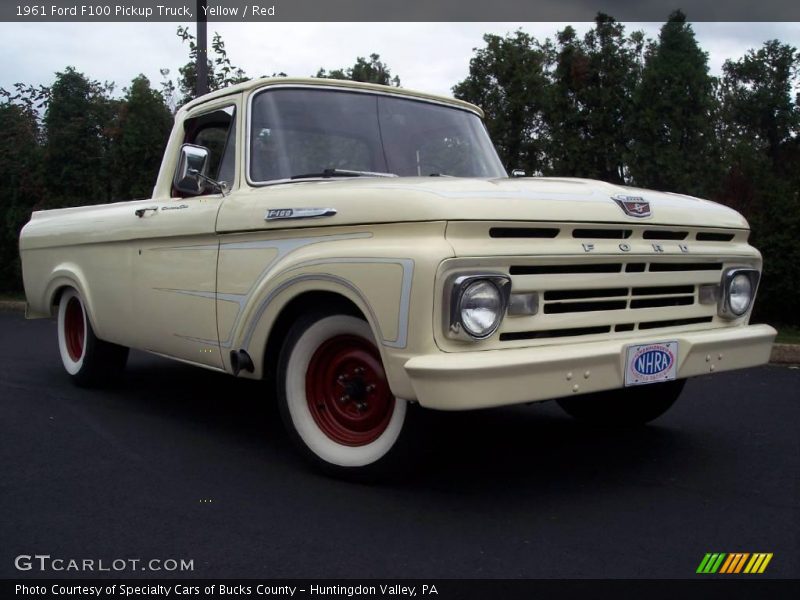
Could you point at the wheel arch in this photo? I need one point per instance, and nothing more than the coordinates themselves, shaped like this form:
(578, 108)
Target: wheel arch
(297, 294)
(63, 278)
(334, 302)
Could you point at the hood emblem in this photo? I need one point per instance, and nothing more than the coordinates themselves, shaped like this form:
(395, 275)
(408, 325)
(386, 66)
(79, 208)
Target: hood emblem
(633, 206)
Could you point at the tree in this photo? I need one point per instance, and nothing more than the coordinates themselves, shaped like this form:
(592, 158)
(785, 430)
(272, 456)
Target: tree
(77, 121)
(221, 72)
(138, 140)
(369, 71)
(21, 166)
(757, 99)
(674, 146)
(507, 79)
(590, 101)
(762, 154)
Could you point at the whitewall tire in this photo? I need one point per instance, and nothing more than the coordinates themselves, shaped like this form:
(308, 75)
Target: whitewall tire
(72, 326)
(334, 397)
(88, 359)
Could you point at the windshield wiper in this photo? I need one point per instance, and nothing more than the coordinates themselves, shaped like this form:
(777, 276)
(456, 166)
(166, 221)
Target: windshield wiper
(327, 173)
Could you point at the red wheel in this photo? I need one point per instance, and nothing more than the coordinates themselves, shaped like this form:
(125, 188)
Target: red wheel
(88, 359)
(347, 391)
(335, 398)
(74, 328)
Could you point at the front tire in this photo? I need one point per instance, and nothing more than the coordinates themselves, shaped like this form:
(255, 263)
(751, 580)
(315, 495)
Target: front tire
(89, 360)
(626, 407)
(335, 399)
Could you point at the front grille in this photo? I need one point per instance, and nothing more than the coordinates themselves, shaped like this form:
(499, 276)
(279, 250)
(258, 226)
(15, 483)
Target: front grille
(561, 301)
(663, 234)
(523, 232)
(602, 234)
(596, 298)
(565, 269)
(675, 322)
(672, 267)
(669, 301)
(570, 307)
(711, 236)
(553, 333)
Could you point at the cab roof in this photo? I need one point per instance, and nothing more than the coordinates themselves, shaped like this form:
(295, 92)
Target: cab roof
(322, 83)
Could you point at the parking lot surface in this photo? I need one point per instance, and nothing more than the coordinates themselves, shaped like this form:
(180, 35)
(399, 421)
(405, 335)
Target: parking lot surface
(178, 462)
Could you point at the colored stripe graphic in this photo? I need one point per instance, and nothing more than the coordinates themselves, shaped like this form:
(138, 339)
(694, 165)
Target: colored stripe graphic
(741, 562)
(759, 562)
(703, 563)
(711, 562)
(734, 562)
(732, 558)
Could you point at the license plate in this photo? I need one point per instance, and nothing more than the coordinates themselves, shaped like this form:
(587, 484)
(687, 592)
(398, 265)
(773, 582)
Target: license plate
(651, 363)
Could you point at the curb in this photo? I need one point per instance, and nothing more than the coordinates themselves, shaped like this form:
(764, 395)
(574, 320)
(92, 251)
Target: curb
(12, 305)
(785, 354)
(782, 354)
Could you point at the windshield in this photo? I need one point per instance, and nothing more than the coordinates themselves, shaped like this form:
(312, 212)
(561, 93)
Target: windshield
(325, 133)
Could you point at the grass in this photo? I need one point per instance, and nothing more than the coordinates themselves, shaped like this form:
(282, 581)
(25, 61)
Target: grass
(788, 335)
(12, 296)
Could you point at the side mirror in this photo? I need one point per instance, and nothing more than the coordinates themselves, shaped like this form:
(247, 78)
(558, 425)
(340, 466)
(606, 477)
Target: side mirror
(192, 171)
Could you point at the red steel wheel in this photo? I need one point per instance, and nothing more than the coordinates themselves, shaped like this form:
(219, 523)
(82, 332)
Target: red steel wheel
(74, 328)
(334, 396)
(347, 392)
(88, 359)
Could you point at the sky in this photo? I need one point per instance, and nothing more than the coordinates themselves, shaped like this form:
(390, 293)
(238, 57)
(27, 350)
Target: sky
(430, 57)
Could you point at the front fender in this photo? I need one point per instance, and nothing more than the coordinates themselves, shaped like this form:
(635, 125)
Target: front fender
(387, 271)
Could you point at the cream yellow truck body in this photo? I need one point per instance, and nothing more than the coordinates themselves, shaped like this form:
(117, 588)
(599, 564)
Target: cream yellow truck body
(196, 278)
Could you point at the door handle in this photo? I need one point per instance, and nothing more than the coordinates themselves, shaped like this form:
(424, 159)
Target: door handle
(140, 212)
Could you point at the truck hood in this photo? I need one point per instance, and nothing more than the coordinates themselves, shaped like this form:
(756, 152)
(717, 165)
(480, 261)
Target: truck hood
(389, 200)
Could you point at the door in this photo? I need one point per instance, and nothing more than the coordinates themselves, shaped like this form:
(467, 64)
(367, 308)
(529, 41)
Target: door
(176, 269)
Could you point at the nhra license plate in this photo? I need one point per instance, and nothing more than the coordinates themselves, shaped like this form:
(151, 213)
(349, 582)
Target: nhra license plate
(651, 363)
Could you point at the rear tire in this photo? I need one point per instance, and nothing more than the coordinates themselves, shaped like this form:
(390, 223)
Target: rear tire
(335, 400)
(87, 359)
(626, 407)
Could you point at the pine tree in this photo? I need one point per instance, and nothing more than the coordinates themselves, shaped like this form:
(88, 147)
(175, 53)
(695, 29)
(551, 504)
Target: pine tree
(139, 137)
(590, 101)
(507, 79)
(762, 154)
(674, 146)
(77, 121)
(21, 166)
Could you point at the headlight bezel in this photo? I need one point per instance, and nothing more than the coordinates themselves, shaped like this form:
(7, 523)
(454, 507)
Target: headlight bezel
(725, 309)
(458, 285)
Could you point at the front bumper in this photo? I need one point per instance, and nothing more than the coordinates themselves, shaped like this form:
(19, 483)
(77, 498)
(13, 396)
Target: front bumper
(462, 381)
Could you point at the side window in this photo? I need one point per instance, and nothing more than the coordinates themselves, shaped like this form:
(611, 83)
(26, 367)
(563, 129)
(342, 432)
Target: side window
(217, 132)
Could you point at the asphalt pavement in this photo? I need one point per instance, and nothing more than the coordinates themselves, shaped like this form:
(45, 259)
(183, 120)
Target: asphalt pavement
(181, 463)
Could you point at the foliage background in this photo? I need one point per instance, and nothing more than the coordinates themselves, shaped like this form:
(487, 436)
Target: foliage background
(610, 105)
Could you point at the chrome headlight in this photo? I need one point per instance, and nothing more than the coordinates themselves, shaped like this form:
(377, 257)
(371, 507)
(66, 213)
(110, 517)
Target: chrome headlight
(738, 291)
(477, 305)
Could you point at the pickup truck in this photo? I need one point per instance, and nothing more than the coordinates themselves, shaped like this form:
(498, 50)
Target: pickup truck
(362, 249)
